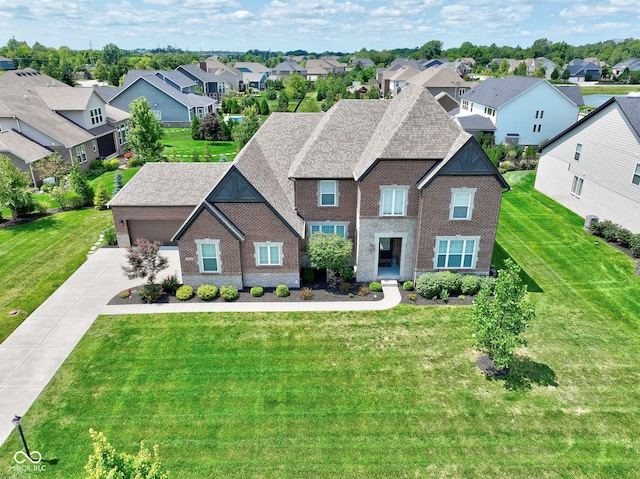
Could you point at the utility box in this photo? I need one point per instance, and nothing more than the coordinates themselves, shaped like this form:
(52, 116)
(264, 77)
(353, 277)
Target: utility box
(589, 220)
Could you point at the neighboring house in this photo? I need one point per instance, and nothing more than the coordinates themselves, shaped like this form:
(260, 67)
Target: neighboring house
(252, 67)
(593, 167)
(581, 70)
(396, 80)
(402, 62)
(363, 62)
(408, 186)
(469, 61)
(229, 74)
(440, 79)
(524, 110)
(434, 62)
(39, 114)
(6, 64)
(255, 75)
(322, 67)
(633, 64)
(171, 95)
(288, 68)
(460, 68)
(212, 85)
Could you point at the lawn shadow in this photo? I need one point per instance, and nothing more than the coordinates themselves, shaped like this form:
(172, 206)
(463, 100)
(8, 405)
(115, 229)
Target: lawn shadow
(498, 259)
(525, 373)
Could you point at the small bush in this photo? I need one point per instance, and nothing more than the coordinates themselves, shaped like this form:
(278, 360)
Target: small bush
(111, 165)
(345, 287)
(376, 287)
(150, 292)
(257, 291)
(428, 285)
(184, 292)
(39, 206)
(610, 232)
(308, 275)
(462, 297)
(229, 292)
(363, 291)
(351, 295)
(529, 164)
(444, 295)
(449, 281)
(487, 282)
(507, 165)
(207, 292)
(407, 285)
(282, 291)
(413, 297)
(170, 284)
(124, 294)
(46, 187)
(634, 244)
(109, 234)
(135, 161)
(346, 274)
(624, 237)
(470, 284)
(306, 293)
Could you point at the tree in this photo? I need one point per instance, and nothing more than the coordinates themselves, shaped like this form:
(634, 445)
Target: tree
(504, 67)
(52, 166)
(145, 131)
(283, 101)
(101, 197)
(329, 251)
(145, 261)
(540, 71)
(15, 189)
(107, 463)
(373, 93)
(118, 183)
(498, 323)
(264, 107)
(79, 184)
(195, 128)
(297, 86)
(210, 127)
(242, 132)
(555, 74)
(565, 74)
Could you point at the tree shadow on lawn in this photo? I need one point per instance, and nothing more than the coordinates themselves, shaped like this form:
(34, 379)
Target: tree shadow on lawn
(524, 373)
(498, 259)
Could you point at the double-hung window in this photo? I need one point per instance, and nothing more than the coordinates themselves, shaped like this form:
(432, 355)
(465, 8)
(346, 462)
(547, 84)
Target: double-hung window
(96, 115)
(393, 200)
(576, 156)
(81, 154)
(268, 254)
(461, 203)
(209, 255)
(329, 228)
(636, 175)
(456, 252)
(122, 133)
(576, 186)
(327, 193)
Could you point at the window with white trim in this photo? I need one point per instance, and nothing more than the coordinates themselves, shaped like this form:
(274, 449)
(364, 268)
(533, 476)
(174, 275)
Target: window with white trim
(200, 112)
(636, 175)
(123, 130)
(465, 104)
(81, 154)
(94, 144)
(576, 156)
(576, 186)
(329, 228)
(268, 254)
(456, 252)
(393, 200)
(209, 255)
(461, 203)
(96, 116)
(327, 193)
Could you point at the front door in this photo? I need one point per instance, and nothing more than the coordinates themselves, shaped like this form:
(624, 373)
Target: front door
(389, 257)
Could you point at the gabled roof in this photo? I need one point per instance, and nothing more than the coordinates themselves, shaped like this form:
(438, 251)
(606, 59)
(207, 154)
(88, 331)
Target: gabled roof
(108, 92)
(364, 62)
(189, 100)
(253, 67)
(289, 66)
(629, 106)
(22, 147)
(440, 78)
(170, 184)
(497, 92)
(404, 73)
(632, 64)
(414, 126)
(200, 74)
(216, 213)
(475, 123)
(572, 92)
(65, 99)
(177, 77)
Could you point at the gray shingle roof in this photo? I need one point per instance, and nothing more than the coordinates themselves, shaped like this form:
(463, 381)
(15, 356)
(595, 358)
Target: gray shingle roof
(200, 74)
(440, 78)
(65, 99)
(170, 184)
(572, 92)
(414, 126)
(475, 123)
(177, 77)
(496, 92)
(13, 142)
(108, 92)
(189, 100)
(630, 106)
(337, 142)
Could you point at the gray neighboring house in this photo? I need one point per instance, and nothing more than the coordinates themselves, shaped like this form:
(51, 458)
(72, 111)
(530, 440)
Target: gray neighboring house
(229, 74)
(6, 64)
(439, 79)
(39, 114)
(633, 64)
(363, 62)
(170, 93)
(213, 85)
(288, 68)
(581, 70)
(255, 75)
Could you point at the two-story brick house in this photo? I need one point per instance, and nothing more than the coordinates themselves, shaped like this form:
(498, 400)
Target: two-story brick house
(400, 178)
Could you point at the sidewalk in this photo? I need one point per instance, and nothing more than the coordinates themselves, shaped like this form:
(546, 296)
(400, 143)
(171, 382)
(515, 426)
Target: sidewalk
(31, 356)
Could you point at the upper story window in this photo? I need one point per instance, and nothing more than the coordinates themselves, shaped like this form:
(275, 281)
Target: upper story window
(539, 114)
(327, 193)
(96, 116)
(393, 200)
(81, 154)
(268, 254)
(537, 128)
(489, 111)
(578, 151)
(465, 104)
(576, 186)
(329, 228)
(461, 203)
(209, 255)
(636, 175)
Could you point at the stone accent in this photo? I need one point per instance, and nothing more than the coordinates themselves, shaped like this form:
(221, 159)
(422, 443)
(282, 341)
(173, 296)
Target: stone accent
(218, 280)
(271, 280)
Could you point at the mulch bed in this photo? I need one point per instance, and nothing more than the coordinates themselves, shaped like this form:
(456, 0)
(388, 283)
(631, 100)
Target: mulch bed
(320, 293)
(8, 222)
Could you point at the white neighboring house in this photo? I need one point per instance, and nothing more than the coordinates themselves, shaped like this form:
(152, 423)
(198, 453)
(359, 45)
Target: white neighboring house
(524, 110)
(593, 167)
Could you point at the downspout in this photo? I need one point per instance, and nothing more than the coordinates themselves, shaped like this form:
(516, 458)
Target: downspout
(33, 177)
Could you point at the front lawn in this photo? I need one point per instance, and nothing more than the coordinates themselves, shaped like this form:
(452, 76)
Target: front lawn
(179, 146)
(108, 178)
(375, 394)
(608, 89)
(37, 257)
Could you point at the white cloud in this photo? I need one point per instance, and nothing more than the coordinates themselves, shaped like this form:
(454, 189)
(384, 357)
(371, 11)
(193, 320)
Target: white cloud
(602, 9)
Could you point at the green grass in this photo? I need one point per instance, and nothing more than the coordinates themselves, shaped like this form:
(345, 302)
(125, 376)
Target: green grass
(36, 258)
(108, 178)
(374, 394)
(179, 146)
(608, 89)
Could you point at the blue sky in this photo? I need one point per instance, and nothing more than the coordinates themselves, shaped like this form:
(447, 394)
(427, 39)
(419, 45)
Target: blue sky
(313, 25)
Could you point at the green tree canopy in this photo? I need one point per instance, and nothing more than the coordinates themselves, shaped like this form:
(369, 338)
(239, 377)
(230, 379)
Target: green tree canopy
(296, 86)
(242, 132)
(145, 131)
(329, 251)
(15, 188)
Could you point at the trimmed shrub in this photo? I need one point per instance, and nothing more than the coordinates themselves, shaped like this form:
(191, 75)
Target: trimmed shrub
(407, 285)
(184, 292)
(487, 282)
(282, 291)
(449, 281)
(111, 165)
(346, 274)
(345, 287)
(150, 292)
(413, 297)
(610, 232)
(257, 291)
(634, 244)
(624, 237)
(507, 165)
(470, 284)
(363, 291)
(207, 292)
(428, 285)
(109, 235)
(529, 164)
(170, 284)
(306, 293)
(229, 292)
(308, 275)
(376, 287)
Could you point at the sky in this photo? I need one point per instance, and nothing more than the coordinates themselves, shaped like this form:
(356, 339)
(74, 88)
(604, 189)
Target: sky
(313, 25)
